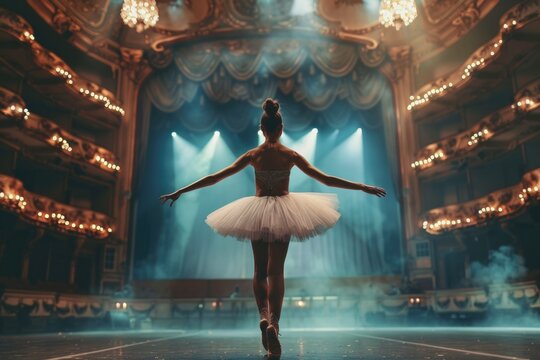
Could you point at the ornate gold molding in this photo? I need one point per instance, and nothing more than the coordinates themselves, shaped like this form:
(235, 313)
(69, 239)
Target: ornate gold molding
(63, 23)
(43, 211)
(464, 143)
(516, 19)
(208, 19)
(13, 112)
(499, 204)
(400, 61)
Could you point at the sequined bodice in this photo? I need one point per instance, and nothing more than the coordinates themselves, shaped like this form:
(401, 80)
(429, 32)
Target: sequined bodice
(269, 180)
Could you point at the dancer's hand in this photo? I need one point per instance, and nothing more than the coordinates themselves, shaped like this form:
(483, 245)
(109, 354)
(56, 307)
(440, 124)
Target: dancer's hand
(374, 190)
(173, 197)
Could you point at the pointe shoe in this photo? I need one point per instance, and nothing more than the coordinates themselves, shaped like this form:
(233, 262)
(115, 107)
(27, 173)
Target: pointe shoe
(263, 324)
(272, 333)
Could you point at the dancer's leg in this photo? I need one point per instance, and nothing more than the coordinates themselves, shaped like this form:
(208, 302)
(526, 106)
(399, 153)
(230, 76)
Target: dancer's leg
(260, 285)
(277, 251)
(276, 289)
(260, 274)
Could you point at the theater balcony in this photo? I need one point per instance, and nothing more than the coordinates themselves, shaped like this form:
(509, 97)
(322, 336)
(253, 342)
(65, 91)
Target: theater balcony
(492, 135)
(44, 140)
(485, 69)
(498, 205)
(47, 213)
(51, 77)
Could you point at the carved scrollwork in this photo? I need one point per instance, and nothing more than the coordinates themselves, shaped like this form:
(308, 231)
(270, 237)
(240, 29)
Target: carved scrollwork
(8, 99)
(524, 12)
(63, 23)
(134, 62)
(467, 18)
(15, 25)
(161, 59)
(400, 61)
(438, 10)
(92, 12)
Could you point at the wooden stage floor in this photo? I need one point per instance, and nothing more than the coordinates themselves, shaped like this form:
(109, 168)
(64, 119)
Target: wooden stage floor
(380, 343)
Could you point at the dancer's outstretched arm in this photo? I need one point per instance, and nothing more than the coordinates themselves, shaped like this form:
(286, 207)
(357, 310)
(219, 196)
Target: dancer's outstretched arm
(334, 181)
(208, 180)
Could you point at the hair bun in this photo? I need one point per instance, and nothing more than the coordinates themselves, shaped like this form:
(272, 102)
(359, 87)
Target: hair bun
(270, 106)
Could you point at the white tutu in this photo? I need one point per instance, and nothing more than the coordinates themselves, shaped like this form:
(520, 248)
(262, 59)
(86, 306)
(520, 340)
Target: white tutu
(276, 218)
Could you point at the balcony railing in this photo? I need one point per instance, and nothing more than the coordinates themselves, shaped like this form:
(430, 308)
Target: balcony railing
(45, 212)
(32, 55)
(507, 119)
(500, 204)
(13, 112)
(522, 22)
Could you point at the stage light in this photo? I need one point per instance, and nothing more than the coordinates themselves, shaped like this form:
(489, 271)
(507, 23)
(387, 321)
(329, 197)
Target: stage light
(359, 130)
(173, 133)
(216, 133)
(314, 130)
(302, 7)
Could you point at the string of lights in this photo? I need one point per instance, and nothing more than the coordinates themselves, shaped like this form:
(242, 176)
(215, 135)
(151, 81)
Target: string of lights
(527, 101)
(47, 212)
(499, 204)
(56, 66)
(13, 107)
(512, 21)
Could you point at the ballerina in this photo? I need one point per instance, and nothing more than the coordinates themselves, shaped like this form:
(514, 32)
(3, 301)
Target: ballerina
(274, 216)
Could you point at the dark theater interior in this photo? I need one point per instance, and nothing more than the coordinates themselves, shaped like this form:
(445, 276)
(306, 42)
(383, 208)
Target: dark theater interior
(147, 149)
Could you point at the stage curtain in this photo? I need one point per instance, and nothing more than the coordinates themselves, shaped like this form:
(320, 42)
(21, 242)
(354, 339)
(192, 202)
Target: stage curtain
(169, 90)
(316, 72)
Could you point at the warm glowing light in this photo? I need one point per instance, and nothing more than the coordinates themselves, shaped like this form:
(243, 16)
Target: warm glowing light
(397, 13)
(139, 14)
(302, 7)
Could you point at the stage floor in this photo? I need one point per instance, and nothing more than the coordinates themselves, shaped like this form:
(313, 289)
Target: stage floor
(389, 343)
